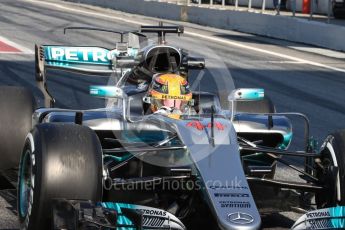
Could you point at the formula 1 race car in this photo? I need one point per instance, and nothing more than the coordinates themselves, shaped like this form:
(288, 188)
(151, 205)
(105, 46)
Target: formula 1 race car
(122, 167)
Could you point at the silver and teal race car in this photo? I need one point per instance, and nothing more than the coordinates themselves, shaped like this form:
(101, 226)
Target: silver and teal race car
(122, 167)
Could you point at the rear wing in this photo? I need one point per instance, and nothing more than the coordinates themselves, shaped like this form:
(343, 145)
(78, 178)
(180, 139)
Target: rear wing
(81, 59)
(94, 60)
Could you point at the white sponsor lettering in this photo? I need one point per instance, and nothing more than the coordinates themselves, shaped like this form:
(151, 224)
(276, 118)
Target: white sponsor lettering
(82, 54)
(153, 212)
(57, 53)
(85, 54)
(72, 54)
(318, 214)
(99, 55)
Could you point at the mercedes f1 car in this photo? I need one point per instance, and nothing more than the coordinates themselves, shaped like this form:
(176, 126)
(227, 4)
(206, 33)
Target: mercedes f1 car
(121, 167)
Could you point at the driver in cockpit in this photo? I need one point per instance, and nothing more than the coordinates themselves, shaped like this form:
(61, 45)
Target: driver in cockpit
(169, 95)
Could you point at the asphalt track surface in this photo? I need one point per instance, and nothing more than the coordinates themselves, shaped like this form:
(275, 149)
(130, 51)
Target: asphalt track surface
(295, 76)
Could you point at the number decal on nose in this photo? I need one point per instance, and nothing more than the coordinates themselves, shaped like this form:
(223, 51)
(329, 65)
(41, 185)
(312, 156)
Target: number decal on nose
(199, 126)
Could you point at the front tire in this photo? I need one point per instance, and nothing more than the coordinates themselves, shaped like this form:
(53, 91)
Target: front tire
(332, 156)
(58, 161)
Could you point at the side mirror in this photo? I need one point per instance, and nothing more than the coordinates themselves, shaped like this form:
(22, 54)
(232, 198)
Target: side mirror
(246, 94)
(114, 92)
(107, 91)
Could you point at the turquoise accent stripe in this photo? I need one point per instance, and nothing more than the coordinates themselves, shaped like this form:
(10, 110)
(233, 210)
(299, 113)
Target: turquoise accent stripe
(118, 159)
(338, 212)
(121, 219)
(253, 94)
(286, 141)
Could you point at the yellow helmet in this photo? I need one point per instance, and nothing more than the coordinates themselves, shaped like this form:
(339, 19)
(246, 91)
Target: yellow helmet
(169, 90)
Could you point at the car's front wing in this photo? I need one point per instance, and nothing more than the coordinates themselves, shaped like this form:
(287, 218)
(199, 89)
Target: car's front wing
(77, 214)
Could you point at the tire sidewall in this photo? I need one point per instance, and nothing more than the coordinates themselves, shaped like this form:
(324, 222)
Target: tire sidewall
(31, 219)
(42, 145)
(333, 149)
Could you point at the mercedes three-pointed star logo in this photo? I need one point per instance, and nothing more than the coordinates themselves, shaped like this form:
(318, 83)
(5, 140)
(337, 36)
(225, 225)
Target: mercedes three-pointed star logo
(240, 218)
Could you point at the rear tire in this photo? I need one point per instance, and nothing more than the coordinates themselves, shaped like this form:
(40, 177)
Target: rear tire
(332, 155)
(17, 105)
(58, 161)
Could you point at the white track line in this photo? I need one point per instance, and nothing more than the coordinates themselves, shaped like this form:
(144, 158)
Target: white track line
(206, 37)
(22, 49)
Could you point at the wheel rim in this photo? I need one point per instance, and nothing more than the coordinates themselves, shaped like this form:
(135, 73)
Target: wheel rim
(25, 184)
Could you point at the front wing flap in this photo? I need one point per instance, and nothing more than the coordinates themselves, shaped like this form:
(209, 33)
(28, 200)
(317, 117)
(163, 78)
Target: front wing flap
(328, 218)
(77, 214)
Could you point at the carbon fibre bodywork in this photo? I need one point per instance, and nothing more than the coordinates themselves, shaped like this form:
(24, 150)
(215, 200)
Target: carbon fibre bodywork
(202, 149)
(232, 193)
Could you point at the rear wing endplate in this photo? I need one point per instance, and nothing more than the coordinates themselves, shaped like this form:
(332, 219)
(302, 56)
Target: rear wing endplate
(80, 59)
